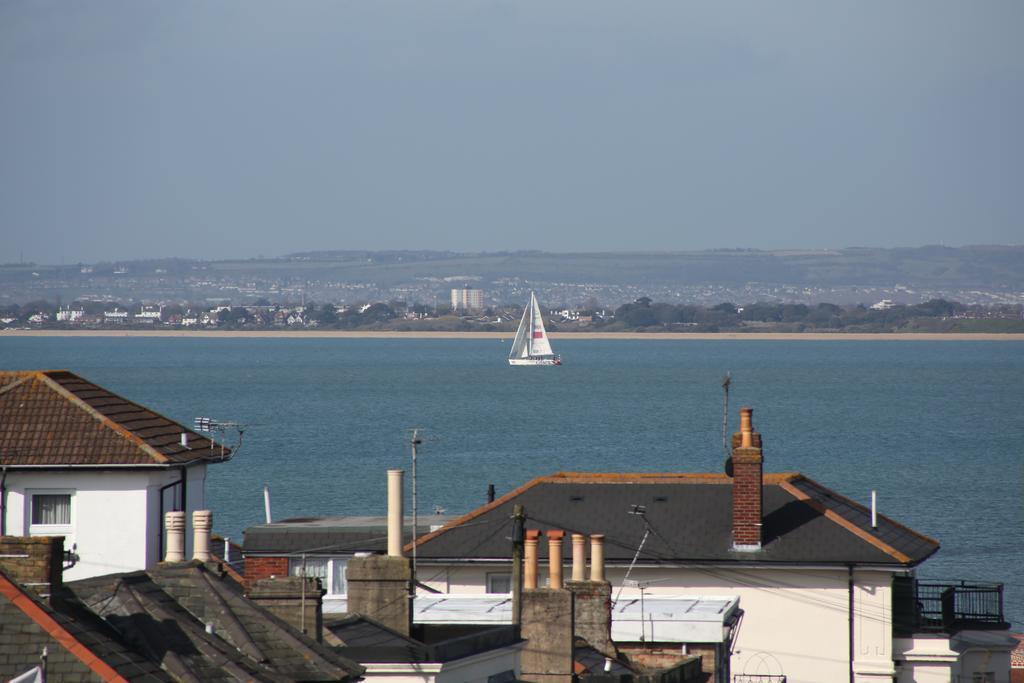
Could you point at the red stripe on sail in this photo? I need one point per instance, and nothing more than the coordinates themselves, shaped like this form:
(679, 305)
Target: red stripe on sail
(538, 335)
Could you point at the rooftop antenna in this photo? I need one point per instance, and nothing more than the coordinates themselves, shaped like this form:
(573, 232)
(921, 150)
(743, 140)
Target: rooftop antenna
(726, 381)
(415, 441)
(641, 511)
(211, 426)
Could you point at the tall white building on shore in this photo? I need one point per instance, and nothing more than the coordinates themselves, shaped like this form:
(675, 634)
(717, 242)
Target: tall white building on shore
(467, 299)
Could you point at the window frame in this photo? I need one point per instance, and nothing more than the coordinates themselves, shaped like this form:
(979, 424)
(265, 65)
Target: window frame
(494, 576)
(33, 529)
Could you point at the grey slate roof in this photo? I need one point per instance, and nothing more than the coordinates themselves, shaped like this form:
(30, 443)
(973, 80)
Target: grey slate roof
(690, 517)
(330, 535)
(22, 639)
(162, 614)
(366, 640)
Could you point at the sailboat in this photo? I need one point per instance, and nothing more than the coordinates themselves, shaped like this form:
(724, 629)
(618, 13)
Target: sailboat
(531, 346)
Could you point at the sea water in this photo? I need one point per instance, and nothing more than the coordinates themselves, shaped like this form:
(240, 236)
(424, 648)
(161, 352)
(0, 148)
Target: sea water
(935, 427)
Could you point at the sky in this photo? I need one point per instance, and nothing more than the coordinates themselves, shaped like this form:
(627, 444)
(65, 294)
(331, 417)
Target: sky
(240, 129)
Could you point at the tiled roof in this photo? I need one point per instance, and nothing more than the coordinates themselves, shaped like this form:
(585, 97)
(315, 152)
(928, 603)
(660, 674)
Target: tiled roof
(198, 625)
(56, 418)
(690, 518)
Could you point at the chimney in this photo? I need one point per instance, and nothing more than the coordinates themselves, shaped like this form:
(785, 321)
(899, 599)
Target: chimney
(547, 619)
(747, 486)
(555, 558)
(202, 523)
(297, 600)
(174, 523)
(380, 586)
(592, 600)
(396, 512)
(36, 562)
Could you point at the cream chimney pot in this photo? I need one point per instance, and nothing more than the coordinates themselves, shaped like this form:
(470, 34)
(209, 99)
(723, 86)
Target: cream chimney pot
(202, 524)
(579, 557)
(555, 558)
(597, 557)
(174, 523)
(530, 558)
(396, 512)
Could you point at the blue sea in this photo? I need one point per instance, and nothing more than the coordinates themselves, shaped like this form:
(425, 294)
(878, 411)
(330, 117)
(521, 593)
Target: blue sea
(935, 427)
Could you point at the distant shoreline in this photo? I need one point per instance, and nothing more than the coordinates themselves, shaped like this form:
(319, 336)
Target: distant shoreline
(646, 336)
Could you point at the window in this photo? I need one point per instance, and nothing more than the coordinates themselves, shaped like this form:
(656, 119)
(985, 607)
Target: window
(499, 582)
(50, 512)
(330, 571)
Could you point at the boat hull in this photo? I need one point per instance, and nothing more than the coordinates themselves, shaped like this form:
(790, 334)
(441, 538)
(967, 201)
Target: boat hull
(534, 361)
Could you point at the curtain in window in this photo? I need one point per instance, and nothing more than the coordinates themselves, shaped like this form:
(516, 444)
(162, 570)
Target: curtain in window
(339, 586)
(315, 567)
(51, 509)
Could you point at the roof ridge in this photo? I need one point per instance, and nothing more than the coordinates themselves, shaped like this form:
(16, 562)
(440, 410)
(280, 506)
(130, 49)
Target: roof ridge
(866, 509)
(116, 427)
(39, 615)
(838, 519)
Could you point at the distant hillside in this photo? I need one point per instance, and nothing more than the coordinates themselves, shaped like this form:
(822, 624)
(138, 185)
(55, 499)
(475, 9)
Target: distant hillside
(975, 274)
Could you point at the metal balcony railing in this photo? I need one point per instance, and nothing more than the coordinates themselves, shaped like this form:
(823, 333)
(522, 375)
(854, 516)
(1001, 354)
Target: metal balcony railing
(947, 606)
(759, 678)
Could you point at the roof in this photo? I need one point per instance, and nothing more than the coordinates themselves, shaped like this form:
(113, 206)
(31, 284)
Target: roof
(167, 614)
(690, 518)
(54, 418)
(366, 640)
(77, 639)
(331, 535)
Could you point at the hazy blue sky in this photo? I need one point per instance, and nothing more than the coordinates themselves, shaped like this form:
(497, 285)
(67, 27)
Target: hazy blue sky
(233, 129)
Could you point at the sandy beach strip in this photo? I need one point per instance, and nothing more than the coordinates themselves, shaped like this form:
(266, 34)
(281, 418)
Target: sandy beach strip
(645, 336)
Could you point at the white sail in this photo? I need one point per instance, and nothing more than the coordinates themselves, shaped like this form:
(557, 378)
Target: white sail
(531, 345)
(539, 344)
(521, 347)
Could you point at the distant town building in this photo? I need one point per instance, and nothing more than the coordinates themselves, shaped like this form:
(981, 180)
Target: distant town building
(150, 314)
(883, 305)
(115, 316)
(467, 299)
(69, 315)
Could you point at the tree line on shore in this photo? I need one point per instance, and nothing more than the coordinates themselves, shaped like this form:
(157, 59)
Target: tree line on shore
(641, 315)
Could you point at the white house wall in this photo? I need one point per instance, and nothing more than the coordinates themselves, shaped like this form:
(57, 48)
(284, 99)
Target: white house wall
(114, 514)
(796, 621)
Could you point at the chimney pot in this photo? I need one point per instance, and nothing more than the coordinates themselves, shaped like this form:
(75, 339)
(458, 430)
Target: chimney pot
(555, 558)
(174, 523)
(746, 427)
(530, 558)
(597, 557)
(202, 524)
(579, 557)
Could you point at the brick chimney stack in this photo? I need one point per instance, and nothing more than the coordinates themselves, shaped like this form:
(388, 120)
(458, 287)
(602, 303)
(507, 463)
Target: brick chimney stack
(747, 485)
